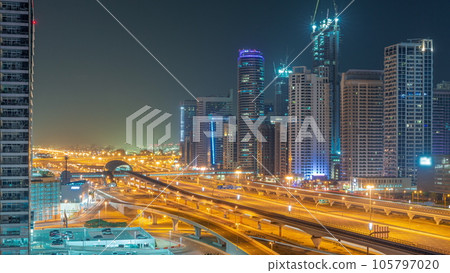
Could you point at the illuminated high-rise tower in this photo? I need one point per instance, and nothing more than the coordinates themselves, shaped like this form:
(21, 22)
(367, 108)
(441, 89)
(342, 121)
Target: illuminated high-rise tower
(16, 61)
(441, 119)
(408, 106)
(326, 44)
(209, 150)
(309, 156)
(250, 104)
(282, 90)
(188, 110)
(362, 124)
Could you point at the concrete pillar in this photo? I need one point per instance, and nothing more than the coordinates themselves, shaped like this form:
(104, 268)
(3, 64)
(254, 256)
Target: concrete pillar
(411, 215)
(198, 232)
(280, 230)
(437, 220)
(348, 205)
(302, 197)
(367, 208)
(154, 219)
(387, 211)
(316, 241)
(331, 203)
(175, 224)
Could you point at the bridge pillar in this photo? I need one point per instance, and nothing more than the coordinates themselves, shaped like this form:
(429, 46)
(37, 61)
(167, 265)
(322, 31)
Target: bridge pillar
(411, 215)
(280, 230)
(233, 250)
(154, 219)
(387, 211)
(367, 208)
(175, 224)
(302, 197)
(219, 243)
(198, 232)
(348, 205)
(331, 203)
(437, 220)
(316, 241)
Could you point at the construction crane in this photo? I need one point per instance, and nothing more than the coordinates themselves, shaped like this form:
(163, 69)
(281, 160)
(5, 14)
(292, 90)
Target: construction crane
(313, 19)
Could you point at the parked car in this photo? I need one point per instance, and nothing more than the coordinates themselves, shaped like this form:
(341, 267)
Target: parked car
(98, 236)
(107, 231)
(67, 234)
(140, 236)
(57, 242)
(54, 233)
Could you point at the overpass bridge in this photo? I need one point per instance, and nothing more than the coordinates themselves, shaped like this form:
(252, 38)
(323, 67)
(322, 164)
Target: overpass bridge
(235, 242)
(389, 246)
(411, 210)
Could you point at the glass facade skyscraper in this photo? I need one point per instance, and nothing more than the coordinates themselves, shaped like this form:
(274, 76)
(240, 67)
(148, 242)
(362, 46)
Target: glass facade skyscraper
(408, 103)
(441, 119)
(188, 110)
(282, 90)
(250, 104)
(326, 36)
(210, 149)
(16, 51)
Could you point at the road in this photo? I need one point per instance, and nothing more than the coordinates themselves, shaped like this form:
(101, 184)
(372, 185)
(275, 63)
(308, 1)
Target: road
(260, 207)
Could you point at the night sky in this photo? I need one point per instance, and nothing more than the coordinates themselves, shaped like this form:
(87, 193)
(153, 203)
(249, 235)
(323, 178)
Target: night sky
(90, 74)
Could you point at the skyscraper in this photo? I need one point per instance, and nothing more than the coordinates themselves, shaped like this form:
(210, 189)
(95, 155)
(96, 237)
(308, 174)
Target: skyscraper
(282, 90)
(16, 49)
(210, 149)
(408, 93)
(266, 149)
(229, 146)
(250, 104)
(362, 124)
(441, 119)
(326, 36)
(188, 110)
(281, 149)
(309, 156)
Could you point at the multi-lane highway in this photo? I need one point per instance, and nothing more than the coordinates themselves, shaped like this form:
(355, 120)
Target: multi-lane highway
(257, 208)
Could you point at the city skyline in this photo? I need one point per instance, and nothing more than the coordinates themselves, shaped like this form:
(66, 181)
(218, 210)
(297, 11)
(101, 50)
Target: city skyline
(182, 129)
(71, 99)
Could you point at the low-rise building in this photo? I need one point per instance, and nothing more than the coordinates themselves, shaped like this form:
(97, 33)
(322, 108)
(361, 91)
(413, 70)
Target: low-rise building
(45, 198)
(380, 183)
(434, 174)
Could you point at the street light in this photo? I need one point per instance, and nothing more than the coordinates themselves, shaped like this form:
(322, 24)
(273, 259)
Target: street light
(238, 172)
(289, 178)
(370, 187)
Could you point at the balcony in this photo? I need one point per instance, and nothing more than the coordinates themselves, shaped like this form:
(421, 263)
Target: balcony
(15, 101)
(14, 6)
(15, 125)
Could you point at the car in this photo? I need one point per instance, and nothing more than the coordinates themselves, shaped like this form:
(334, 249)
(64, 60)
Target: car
(98, 236)
(140, 236)
(57, 242)
(67, 234)
(107, 231)
(54, 233)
